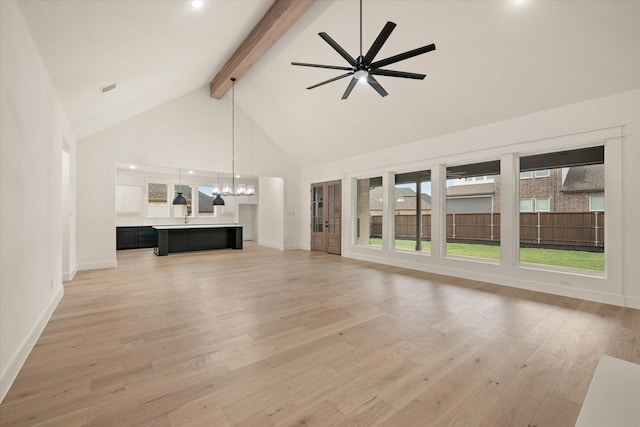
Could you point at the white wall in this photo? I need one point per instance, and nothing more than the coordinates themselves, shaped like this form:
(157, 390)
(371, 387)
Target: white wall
(271, 212)
(548, 130)
(33, 127)
(191, 132)
(68, 213)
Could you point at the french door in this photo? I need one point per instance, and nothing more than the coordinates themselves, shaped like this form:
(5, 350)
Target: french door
(326, 217)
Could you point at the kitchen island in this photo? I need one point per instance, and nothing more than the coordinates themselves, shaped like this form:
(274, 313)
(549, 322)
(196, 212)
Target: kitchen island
(197, 237)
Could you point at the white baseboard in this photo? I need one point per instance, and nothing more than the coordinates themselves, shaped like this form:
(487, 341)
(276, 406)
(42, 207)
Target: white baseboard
(11, 372)
(271, 245)
(97, 265)
(69, 275)
(632, 302)
(585, 294)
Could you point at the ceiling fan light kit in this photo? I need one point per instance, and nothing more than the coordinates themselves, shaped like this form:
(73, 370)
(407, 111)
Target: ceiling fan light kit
(363, 68)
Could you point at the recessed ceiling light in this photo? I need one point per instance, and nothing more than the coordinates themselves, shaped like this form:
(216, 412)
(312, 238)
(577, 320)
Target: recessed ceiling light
(132, 166)
(190, 172)
(197, 4)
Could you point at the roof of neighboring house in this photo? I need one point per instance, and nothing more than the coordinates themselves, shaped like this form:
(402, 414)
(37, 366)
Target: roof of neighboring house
(584, 178)
(470, 189)
(405, 199)
(205, 202)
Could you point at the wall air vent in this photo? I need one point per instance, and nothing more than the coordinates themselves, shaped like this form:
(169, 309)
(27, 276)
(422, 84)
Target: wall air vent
(105, 89)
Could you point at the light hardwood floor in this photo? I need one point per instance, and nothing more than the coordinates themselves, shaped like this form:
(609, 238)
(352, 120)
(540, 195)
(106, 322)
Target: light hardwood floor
(261, 337)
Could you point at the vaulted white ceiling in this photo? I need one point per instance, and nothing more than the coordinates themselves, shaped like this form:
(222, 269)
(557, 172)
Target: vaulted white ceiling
(156, 50)
(494, 60)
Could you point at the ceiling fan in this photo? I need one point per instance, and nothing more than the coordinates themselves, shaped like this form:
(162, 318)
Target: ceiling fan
(363, 68)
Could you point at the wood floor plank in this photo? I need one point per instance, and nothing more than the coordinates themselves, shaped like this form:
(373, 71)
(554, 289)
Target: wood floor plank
(554, 411)
(262, 337)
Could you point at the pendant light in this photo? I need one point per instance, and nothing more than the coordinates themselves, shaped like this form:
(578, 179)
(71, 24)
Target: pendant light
(179, 199)
(233, 135)
(217, 201)
(227, 190)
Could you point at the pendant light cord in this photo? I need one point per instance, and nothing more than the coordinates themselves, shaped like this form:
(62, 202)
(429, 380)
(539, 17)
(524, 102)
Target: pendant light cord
(233, 135)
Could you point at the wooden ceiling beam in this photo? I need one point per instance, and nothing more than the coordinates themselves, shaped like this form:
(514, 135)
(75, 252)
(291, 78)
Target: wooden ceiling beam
(281, 16)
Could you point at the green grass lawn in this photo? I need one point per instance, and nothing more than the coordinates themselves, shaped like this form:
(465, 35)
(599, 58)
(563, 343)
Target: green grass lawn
(557, 257)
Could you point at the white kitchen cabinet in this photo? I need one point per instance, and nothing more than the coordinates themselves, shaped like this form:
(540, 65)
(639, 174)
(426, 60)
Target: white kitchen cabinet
(128, 199)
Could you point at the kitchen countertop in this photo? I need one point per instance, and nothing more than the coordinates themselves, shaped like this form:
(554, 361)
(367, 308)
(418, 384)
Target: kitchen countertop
(187, 226)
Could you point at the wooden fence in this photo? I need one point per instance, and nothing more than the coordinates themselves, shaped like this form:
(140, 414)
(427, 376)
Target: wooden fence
(554, 229)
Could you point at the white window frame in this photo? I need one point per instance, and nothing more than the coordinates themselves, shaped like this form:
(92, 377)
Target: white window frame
(542, 173)
(526, 175)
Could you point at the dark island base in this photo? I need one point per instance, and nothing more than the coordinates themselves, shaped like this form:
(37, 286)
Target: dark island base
(197, 239)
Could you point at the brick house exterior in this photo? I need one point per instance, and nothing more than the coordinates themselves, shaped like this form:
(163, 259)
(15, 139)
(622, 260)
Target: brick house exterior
(564, 189)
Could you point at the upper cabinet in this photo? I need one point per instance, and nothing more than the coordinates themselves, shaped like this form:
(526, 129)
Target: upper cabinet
(128, 199)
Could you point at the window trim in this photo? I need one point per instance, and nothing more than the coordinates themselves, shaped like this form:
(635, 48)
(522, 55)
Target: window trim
(509, 203)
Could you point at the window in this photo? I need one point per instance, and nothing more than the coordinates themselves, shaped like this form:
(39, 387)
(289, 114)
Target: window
(565, 229)
(596, 203)
(526, 205)
(538, 174)
(157, 203)
(413, 211)
(526, 175)
(542, 205)
(318, 209)
(369, 209)
(205, 201)
(179, 210)
(473, 220)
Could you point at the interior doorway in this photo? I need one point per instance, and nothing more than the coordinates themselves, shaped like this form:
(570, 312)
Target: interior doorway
(67, 268)
(326, 217)
(248, 219)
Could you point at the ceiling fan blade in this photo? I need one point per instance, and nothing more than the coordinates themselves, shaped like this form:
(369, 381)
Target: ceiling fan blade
(330, 80)
(338, 48)
(350, 87)
(380, 40)
(403, 74)
(331, 67)
(374, 84)
(403, 56)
